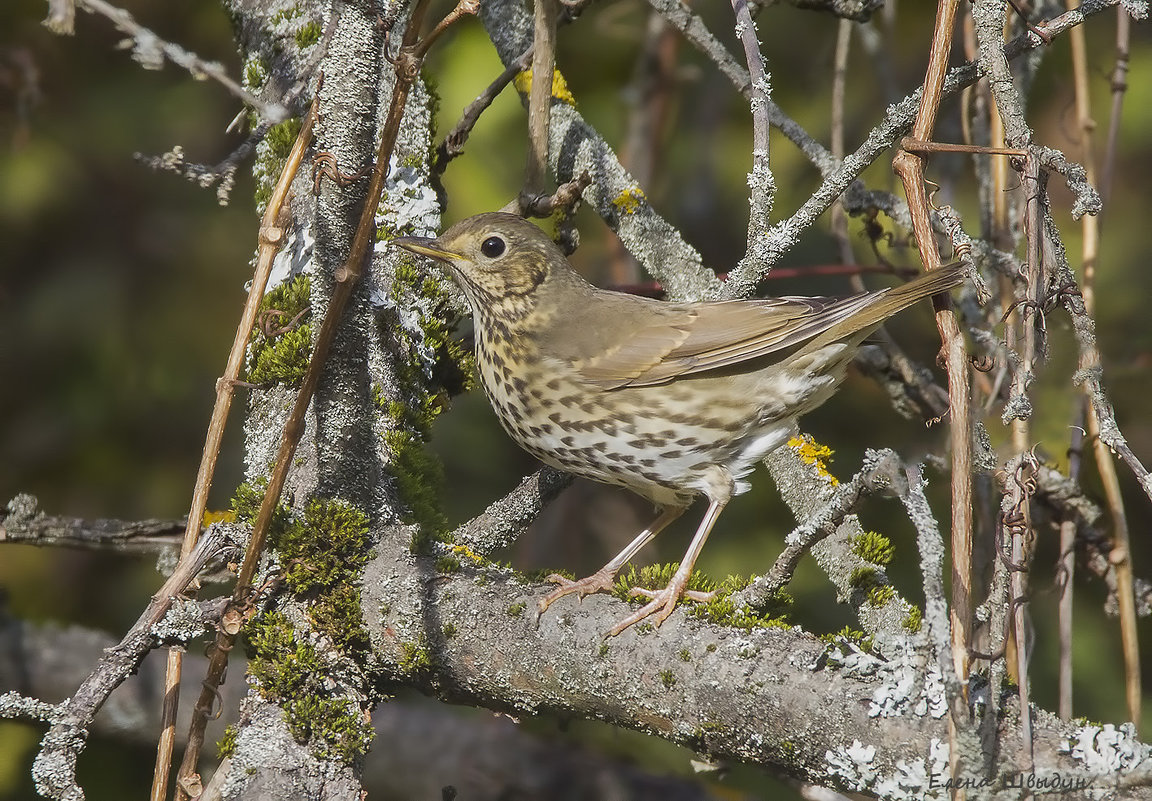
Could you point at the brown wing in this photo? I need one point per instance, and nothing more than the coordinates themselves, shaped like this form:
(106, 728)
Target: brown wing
(704, 336)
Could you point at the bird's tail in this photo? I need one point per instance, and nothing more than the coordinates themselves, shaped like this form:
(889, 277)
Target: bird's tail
(891, 301)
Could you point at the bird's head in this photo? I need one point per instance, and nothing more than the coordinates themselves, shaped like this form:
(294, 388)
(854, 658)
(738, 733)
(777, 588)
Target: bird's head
(502, 262)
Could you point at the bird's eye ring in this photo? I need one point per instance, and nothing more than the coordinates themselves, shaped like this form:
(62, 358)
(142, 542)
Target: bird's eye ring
(492, 247)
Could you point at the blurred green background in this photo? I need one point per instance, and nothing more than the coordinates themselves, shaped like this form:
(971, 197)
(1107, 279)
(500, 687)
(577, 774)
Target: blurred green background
(120, 289)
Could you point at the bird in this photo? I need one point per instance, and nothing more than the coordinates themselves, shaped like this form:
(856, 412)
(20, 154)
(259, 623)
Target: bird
(671, 400)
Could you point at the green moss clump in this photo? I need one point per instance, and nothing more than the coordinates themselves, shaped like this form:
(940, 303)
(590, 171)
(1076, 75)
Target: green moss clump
(453, 367)
(873, 547)
(227, 745)
(449, 630)
(668, 679)
(913, 620)
(282, 136)
(447, 564)
(881, 594)
(414, 657)
(517, 609)
(656, 577)
(292, 12)
(277, 143)
(420, 479)
(685, 655)
(255, 73)
(308, 34)
(850, 634)
(322, 554)
(429, 383)
(282, 359)
(721, 610)
(867, 580)
(289, 671)
(339, 615)
(326, 546)
(246, 502)
(334, 726)
(862, 578)
(283, 665)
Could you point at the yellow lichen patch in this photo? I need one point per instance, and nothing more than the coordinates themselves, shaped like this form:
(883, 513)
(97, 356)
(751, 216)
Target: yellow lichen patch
(464, 550)
(628, 201)
(813, 453)
(523, 84)
(222, 516)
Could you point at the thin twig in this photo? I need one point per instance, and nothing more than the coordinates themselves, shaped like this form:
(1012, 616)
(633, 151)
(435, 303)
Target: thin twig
(1119, 84)
(1066, 569)
(1089, 249)
(910, 168)
(880, 471)
(839, 177)
(150, 51)
(540, 98)
(453, 143)
(500, 524)
(22, 521)
(1105, 463)
(760, 180)
(54, 768)
(271, 236)
(407, 68)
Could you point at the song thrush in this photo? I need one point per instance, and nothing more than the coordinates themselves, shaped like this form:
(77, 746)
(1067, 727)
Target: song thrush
(671, 400)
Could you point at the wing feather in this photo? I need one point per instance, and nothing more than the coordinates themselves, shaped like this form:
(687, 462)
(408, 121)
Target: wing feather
(718, 334)
(674, 339)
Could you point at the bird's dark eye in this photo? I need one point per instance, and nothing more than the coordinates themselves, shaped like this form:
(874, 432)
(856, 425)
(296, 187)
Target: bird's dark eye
(492, 247)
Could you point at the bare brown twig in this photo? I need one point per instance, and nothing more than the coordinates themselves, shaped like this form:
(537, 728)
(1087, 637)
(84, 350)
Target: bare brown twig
(911, 171)
(271, 237)
(407, 66)
(453, 143)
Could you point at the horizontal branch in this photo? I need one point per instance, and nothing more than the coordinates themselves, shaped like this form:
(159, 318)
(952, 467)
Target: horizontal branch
(777, 697)
(23, 522)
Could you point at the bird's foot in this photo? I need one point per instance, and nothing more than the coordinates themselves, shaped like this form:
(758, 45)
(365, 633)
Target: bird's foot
(662, 603)
(600, 581)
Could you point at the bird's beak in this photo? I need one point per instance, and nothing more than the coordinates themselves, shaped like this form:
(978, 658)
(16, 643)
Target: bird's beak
(425, 246)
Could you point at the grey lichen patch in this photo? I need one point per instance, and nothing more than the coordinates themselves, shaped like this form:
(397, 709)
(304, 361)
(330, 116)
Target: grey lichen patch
(183, 622)
(926, 777)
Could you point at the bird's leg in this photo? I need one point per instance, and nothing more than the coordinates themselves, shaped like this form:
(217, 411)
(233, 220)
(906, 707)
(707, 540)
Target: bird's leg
(603, 579)
(664, 601)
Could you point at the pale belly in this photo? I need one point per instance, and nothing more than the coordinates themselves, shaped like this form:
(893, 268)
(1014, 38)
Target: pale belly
(662, 442)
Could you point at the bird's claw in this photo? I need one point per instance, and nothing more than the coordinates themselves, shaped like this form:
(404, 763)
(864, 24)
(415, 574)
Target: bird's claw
(661, 606)
(600, 581)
